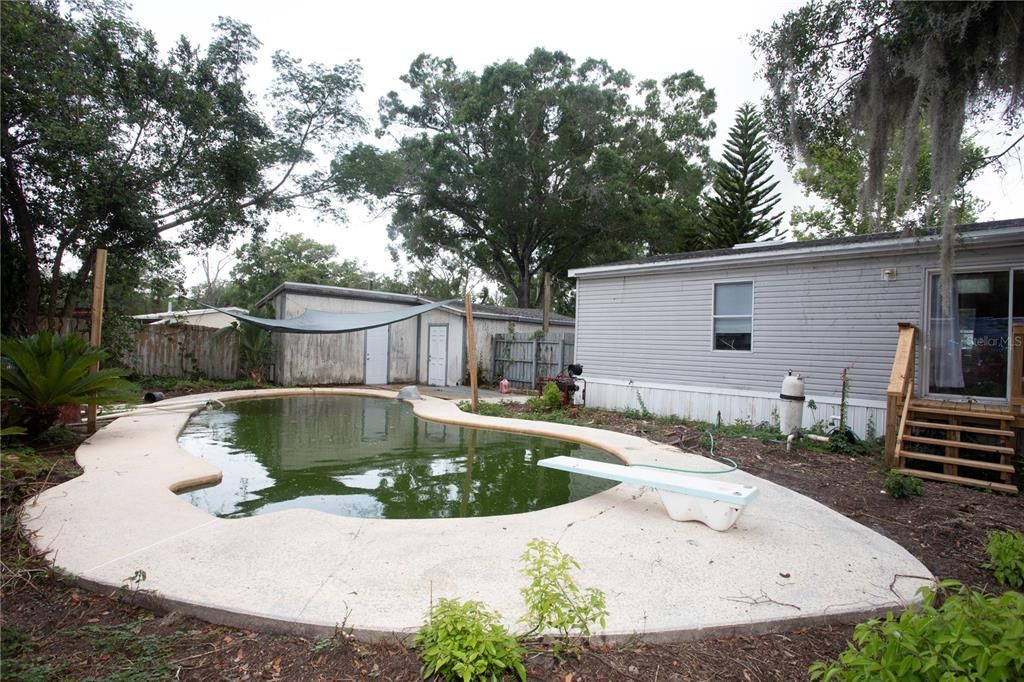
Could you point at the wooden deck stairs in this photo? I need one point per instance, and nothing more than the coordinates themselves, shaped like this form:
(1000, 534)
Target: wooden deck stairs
(963, 442)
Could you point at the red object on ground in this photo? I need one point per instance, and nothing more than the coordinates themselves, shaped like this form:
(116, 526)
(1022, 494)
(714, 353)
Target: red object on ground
(504, 386)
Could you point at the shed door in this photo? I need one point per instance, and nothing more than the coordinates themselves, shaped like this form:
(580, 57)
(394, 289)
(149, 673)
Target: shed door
(437, 355)
(377, 356)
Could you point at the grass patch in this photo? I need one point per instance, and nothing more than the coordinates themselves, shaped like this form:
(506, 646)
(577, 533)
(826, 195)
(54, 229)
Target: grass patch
(133, 654)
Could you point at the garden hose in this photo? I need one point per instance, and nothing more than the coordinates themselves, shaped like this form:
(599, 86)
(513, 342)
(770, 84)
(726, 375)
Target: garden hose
(733, 466)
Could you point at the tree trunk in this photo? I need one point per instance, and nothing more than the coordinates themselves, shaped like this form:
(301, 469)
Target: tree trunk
(77, 285)
(523, 292)
(25, 228)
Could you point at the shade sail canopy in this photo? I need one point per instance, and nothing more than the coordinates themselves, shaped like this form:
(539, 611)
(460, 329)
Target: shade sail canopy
(323, 322)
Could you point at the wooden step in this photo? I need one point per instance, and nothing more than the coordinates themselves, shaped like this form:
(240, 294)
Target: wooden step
(960, 445)
(956, 461)
(943, 426)
(964, 413)
(931, 475)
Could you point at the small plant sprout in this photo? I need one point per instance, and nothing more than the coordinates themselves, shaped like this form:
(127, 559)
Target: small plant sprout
(554, 600)
(133, 582)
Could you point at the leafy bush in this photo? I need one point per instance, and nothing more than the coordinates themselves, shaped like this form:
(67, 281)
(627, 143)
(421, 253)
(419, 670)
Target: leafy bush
(553, 599)
(899, 486)
(971, 636)
(1006, 551)
(549, 399)
(45, 371)
(255, 349)
(465, 641)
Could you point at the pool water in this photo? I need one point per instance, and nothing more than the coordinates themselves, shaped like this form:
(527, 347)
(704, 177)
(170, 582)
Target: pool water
(373, 458)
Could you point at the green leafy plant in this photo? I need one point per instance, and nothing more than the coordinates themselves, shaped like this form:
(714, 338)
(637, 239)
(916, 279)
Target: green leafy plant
(554, 600)
(1005, 548)
(465, 641)
(255, 349)
(549, 399)
(971, 636)
(899, 486)
(45, 371)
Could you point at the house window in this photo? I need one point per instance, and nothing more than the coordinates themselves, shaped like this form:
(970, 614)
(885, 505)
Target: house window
(733, 315)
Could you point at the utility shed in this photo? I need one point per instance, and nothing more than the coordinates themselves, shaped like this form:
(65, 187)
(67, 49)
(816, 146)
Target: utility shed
(710, 335)
(428, 349)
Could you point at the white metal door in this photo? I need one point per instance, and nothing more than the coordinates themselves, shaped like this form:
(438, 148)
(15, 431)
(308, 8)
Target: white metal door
(437, 355)
(377, 356)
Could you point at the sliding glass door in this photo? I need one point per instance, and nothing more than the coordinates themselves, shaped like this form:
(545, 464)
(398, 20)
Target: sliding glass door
(969, 345)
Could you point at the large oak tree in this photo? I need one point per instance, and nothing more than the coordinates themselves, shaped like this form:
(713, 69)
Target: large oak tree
(108, 143)
(538, 166)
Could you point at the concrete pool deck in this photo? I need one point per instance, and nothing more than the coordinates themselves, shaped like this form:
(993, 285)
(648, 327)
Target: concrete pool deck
(788, 561)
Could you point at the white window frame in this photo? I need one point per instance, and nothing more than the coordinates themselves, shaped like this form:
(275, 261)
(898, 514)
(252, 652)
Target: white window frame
(715, 316)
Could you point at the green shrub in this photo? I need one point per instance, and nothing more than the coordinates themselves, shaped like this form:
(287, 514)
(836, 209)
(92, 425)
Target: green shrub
(1006, 551)
(465, 641)
(45, 371)
(549, 399)
(255, 349)
(971, 636)
(553, 599)
(899, 486)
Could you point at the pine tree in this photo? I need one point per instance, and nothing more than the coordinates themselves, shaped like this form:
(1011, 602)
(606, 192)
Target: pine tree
(741, 208)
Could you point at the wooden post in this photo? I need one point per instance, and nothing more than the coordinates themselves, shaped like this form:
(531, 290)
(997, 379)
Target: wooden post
(471, 350)
(99, 283)
(547, 302)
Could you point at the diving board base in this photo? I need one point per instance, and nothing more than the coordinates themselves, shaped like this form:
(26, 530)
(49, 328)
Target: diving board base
(714, 514)
(717, 504)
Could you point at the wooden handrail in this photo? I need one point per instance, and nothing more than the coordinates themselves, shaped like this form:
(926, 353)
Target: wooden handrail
(1017, 367)
(903, 363)
(901, 389)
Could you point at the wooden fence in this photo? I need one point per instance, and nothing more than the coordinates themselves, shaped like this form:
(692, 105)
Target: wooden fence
(172, 350)
(523, 358)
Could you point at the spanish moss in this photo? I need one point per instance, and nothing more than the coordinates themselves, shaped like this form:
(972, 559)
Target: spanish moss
(886, 68)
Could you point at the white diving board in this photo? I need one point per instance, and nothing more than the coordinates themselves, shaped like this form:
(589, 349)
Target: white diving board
(716, 504)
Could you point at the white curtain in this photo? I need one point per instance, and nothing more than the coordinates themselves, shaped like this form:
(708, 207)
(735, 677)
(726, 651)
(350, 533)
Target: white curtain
(946, 360)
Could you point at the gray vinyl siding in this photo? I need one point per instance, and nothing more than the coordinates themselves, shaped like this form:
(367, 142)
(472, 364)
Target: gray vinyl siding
(814, 317)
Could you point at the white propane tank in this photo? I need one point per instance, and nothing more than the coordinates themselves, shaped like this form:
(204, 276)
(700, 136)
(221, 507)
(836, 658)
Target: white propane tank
(792, 413)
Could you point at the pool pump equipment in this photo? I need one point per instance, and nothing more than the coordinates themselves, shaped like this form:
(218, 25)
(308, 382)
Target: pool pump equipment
(573, 388)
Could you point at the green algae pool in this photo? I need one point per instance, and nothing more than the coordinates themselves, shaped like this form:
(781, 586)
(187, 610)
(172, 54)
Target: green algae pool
(373, 458)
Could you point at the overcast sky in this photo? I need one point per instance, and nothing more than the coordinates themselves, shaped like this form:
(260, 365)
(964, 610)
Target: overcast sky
(648, 39)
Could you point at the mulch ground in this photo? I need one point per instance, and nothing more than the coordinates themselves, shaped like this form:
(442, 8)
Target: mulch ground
(53, 629)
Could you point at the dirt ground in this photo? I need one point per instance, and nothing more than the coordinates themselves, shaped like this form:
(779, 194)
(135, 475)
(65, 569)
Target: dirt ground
(54, 630)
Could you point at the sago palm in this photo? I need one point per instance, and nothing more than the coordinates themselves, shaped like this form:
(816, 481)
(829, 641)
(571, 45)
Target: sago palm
(45, 371)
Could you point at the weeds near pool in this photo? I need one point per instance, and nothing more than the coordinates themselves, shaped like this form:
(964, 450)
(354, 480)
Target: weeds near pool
(20, 662)
(1005, 550)
(900, 486)
(550, 399)
(134, 655)
(466, 641)
(642, 413)
(971, 636)
(554, 600)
